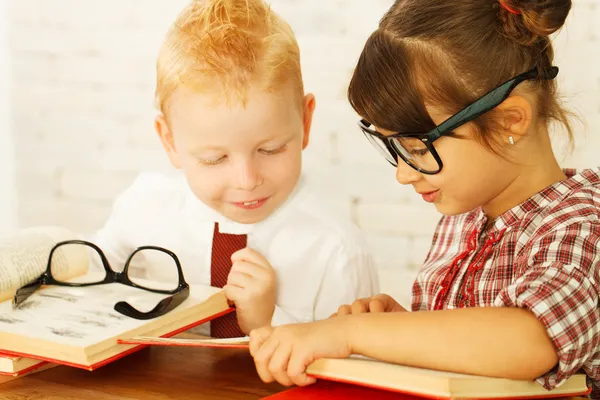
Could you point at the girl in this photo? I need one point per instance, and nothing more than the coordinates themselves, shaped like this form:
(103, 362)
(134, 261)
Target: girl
(458, 95)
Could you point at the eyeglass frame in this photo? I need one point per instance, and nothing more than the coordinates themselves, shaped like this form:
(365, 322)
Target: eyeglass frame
(178, 295)
(484, 104)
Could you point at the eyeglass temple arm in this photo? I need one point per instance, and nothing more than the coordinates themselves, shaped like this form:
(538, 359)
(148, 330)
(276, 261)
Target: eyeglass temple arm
(459, 119)
(165, 305)
(501, 94)
(24, 292)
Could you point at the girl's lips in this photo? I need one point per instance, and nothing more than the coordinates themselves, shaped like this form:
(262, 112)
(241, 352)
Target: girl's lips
(430, 197)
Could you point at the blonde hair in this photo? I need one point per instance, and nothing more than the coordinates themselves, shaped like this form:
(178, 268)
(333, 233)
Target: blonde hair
(223, 47)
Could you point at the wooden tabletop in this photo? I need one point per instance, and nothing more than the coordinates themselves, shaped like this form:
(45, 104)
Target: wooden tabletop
(154, 373)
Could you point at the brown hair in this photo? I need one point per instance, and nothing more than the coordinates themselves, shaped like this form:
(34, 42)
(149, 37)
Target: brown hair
(222, 47)
(448, 54)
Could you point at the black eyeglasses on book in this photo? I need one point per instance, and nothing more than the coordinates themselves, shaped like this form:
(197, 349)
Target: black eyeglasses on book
(172, 282)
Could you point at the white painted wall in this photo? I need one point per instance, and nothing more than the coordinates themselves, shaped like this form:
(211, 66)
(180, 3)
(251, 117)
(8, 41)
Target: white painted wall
(8, 212)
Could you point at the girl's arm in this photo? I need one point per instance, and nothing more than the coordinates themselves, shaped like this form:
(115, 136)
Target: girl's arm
(501, 342)
(546, 317)
(492, 341)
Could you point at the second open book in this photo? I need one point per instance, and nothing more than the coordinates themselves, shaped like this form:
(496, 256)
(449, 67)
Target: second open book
(360, 378)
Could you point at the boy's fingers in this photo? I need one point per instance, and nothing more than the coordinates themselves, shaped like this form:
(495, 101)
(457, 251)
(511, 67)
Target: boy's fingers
(246, 267)
(231, 292)
(251, 269)
(239, 279)
(253, 256)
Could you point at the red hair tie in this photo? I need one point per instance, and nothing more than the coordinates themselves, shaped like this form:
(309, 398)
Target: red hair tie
(509, 8)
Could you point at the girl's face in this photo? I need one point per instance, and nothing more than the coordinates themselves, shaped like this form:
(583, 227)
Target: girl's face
(472, 175)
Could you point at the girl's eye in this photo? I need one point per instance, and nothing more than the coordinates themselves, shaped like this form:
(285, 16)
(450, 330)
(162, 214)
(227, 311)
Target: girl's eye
(213, 161)
(419, 152)
(270, 152)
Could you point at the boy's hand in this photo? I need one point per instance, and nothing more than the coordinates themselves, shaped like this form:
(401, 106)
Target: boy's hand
(251, 287)
(282, 354)
(375, 304)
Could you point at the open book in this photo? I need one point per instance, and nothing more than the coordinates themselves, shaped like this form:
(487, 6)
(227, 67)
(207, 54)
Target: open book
(23, 258)
(78, 326)
(360, 378)
(422, 383)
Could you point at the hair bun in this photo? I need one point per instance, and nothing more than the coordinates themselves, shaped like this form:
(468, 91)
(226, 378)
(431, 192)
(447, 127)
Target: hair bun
(536, 19)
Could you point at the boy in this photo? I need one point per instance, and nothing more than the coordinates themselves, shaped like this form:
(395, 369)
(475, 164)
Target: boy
(234, 119)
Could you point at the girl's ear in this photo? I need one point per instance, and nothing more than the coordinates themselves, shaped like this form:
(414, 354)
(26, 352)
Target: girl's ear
(166, 138)
(515, 116)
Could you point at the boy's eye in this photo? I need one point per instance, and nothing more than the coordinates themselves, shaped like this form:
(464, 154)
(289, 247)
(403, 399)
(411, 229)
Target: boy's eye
(212, 161)
(270, 152)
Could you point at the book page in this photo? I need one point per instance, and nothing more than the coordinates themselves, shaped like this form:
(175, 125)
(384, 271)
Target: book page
(82, 316)
(176, 341)
(24, 257)
(77, 316)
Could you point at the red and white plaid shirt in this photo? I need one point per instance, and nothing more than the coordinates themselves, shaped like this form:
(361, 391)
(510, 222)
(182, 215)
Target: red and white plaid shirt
(542, 255)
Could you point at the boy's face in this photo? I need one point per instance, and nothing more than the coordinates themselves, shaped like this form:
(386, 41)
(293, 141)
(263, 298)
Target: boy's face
(242, 162)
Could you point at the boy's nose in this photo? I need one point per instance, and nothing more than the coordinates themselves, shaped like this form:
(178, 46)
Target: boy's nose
(248, 176)
(405, 174)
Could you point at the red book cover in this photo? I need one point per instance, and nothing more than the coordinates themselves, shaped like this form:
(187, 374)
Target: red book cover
(328, 390)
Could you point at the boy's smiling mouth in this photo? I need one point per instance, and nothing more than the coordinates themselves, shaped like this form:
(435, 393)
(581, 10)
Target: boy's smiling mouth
(252, 204)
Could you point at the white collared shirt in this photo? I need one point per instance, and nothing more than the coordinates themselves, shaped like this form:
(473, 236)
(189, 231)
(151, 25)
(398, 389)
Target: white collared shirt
(321, 262)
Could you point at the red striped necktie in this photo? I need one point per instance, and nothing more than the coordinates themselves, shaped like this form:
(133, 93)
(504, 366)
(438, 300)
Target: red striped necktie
(224, 245)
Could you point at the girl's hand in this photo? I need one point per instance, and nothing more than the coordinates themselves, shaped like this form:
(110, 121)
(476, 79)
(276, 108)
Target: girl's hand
(375, 304)
(282, 354)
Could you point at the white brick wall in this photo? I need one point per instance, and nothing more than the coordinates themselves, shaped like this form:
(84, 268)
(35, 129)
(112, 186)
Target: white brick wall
(83, 74)
(8, 215)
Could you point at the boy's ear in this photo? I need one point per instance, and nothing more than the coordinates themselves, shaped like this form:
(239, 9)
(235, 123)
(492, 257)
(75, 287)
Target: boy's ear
(309, 108)
(515, 115)
(166, 138)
